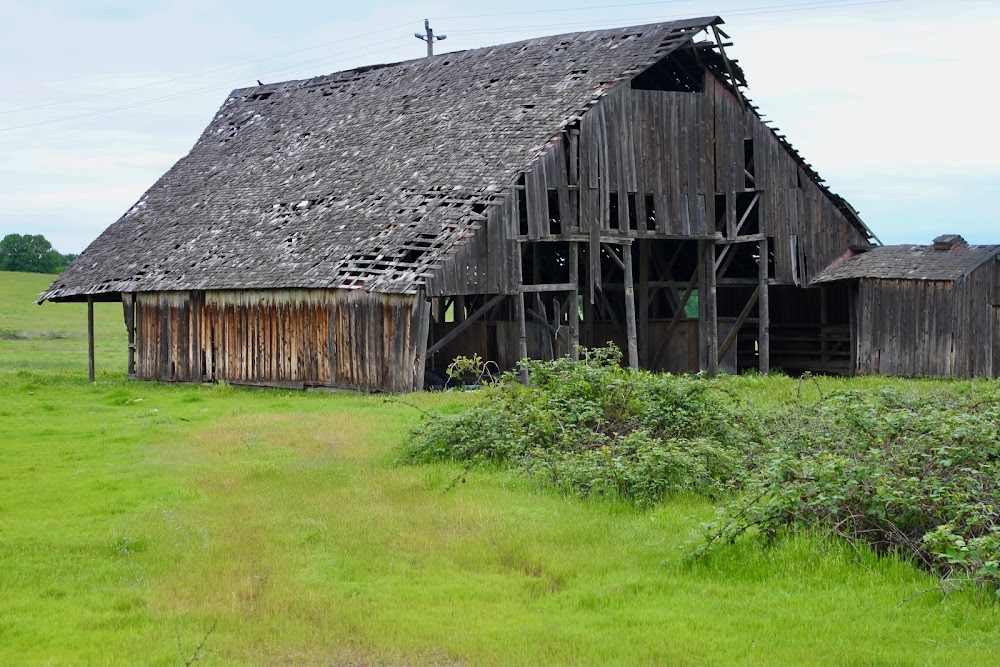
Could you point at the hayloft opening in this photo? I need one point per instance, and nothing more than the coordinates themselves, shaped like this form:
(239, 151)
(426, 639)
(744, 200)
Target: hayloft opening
(679, 72)
(721, 210)
(749, 175)
(650, 213)
(555, 215)
(522, 207)
(748, 213)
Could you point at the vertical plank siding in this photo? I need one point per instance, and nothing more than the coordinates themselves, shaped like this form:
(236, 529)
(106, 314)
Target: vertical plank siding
(344, 338)
(640, 165)
(656, 164)
(929, 328)
(679, 150)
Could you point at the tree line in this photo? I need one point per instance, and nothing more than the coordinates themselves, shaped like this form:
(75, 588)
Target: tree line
(31, 253)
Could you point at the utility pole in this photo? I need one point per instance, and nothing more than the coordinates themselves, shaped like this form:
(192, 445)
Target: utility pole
(429, 37)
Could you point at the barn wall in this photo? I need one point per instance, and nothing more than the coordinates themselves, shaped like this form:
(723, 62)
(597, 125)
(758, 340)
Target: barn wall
(913, 328)
(484, 263)
(650, 163)
(323, 337)
(927, 328)
(983, 312)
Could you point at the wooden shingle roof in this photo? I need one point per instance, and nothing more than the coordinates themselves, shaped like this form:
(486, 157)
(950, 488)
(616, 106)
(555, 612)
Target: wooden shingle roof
(911, 262)
(364, 178)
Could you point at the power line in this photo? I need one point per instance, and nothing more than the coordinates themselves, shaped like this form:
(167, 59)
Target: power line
(550, 11)
(749, 11)
(198, 74)
(187, 93)
(746, 11)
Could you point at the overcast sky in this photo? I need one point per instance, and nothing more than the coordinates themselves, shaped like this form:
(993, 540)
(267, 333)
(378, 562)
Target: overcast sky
(892, 102)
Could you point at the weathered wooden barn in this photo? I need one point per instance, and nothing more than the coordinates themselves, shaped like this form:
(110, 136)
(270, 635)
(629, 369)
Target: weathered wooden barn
(924, 311)
(511, 201)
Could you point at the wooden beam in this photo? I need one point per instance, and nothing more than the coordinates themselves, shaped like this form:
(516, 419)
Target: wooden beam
(764, 313)
(729, 68)
(464, 324)
(644, 303)
(746, 213)
(541, 319)
(744, 314)
(90, 337)
(422, 329)
(574, 300)
(614, 256)
(549, 287)
(522, 335)
(633, 347)
(746, 238)
(710, 325)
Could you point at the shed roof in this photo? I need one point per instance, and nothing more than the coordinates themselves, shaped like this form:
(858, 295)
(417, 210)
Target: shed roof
(911, 262)
(366, 178)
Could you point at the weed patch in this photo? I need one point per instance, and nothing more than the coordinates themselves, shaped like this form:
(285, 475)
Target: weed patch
(591, 427)
(907, 474)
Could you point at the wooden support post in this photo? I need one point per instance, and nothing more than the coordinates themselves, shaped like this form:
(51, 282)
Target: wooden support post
(522, 327)
(763, 309)
(710, 324)
(128, 304)
(574, 301)
(522, 334)
(589, 302)
(332, 324)
(644, 303)
(458, 309)
(633, 348)
(422, 329)
(90, 337)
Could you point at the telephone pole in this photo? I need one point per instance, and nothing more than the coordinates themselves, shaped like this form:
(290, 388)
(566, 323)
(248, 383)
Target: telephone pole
(429, 37)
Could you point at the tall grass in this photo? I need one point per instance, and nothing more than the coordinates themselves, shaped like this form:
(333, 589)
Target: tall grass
(138, 520)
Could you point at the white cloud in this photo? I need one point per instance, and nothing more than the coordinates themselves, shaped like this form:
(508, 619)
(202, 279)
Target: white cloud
(890, 102)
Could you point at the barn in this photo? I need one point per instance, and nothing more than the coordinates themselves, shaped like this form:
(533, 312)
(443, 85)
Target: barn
(355, 229)
(924, 310)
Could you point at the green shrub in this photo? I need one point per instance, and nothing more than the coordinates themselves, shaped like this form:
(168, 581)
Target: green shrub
(911, 475)
(592, 427)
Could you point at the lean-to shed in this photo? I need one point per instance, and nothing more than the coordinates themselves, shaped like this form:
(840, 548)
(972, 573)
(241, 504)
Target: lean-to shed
(510, 201)
(924, 311)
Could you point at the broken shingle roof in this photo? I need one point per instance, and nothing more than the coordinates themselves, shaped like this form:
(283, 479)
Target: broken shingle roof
(363, 178)
(911, 262)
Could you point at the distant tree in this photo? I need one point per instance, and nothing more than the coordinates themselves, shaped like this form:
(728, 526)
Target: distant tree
(31, 253)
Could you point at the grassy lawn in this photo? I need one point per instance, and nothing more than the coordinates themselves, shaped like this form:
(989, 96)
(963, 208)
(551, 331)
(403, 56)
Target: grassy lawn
(140, 520)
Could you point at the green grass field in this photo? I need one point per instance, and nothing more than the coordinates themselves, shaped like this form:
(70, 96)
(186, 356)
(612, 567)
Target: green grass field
(139, 521)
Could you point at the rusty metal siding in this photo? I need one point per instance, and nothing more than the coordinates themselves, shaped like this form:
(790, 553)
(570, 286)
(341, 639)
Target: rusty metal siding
(277, 337)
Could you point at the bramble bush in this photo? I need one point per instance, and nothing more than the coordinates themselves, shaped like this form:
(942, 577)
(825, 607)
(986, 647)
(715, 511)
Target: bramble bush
(592, 427)
(911, 475)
